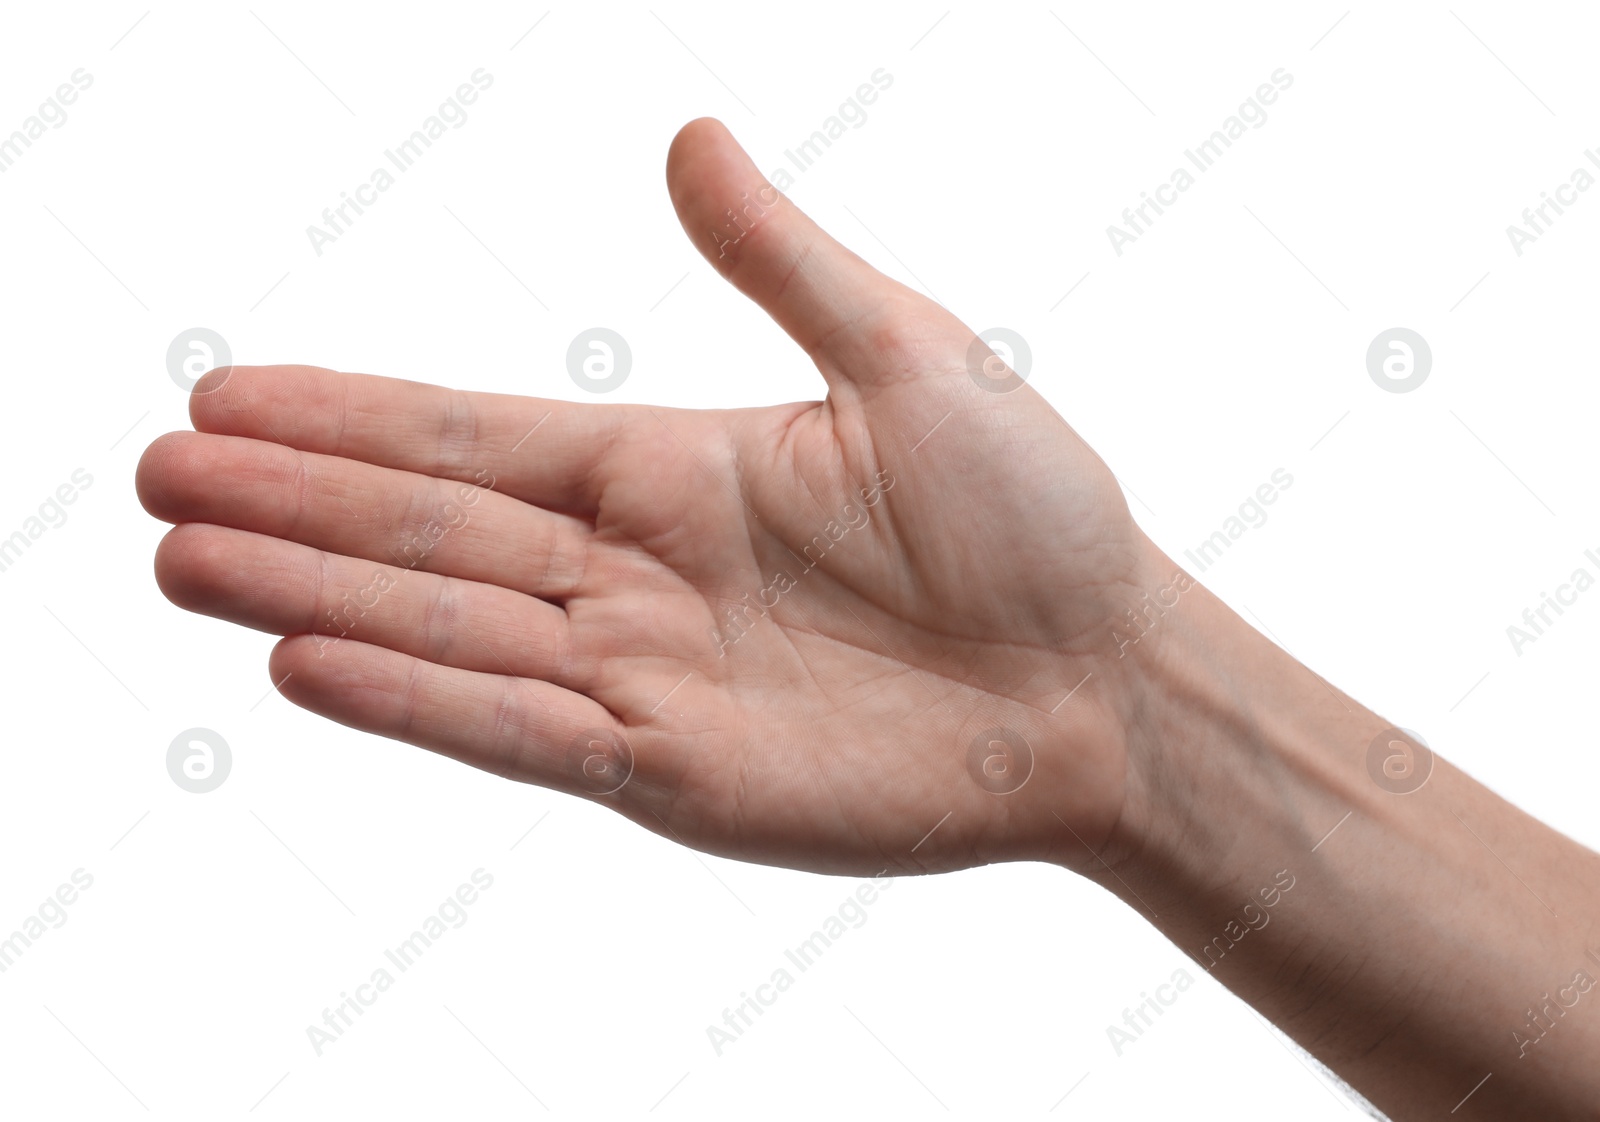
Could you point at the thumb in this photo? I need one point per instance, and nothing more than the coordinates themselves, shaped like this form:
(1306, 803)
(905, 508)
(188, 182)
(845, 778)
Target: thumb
(857, 325)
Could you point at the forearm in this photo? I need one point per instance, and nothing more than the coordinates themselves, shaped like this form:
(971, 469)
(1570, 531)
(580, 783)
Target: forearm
(1421, 930)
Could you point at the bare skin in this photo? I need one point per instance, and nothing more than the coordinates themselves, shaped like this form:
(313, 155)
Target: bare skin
(789, 634)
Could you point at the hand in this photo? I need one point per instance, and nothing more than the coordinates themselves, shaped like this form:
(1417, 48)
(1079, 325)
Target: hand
(773, 634)
(789, 635)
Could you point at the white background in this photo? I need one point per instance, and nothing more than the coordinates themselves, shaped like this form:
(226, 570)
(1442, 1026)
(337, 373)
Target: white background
(1227, 342)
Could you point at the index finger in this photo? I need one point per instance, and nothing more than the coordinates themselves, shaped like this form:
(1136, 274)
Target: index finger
(542, 451)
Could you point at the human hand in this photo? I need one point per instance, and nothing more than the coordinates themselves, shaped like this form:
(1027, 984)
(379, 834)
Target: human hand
(793, 627)
(876, 633)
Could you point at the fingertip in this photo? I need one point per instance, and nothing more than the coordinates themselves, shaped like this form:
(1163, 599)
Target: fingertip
(838, 308)
(206, 395)
(290, 665)
(282, 658)
(182, 557)
(153, 474)
(717, 191)
(692, 138)
(221, 396)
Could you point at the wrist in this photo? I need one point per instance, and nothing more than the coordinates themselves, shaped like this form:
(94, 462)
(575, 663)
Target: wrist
(1235, 749)
(1403, 926)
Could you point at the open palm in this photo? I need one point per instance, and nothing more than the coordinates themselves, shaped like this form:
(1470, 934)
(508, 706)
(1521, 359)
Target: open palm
(872, 632)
